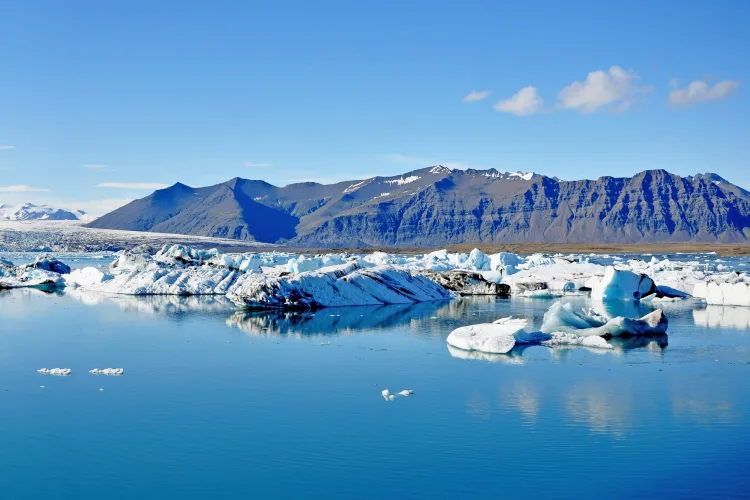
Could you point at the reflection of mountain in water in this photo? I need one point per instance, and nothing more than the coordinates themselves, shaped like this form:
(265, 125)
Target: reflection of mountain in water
(723, 317)
(331, 320)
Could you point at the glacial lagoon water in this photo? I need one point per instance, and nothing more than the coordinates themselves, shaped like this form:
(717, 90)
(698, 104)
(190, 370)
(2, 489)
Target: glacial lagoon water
(219, 403)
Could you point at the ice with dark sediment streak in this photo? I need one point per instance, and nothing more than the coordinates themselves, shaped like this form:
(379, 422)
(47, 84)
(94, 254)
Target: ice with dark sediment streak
(343, 285)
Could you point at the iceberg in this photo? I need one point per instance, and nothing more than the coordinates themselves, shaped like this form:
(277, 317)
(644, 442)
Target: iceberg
(562, 318)
(343, 285)
(493, 338)
(729, 293)
(28, 276)
(506, 334)
(620, 284)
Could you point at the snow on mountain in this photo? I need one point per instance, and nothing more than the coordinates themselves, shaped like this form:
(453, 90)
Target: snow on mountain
(29, 211)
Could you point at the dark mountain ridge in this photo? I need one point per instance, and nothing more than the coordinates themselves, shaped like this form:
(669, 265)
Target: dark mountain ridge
(438, 206)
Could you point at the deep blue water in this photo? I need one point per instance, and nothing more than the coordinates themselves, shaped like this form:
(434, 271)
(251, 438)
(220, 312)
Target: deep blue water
(216, 403)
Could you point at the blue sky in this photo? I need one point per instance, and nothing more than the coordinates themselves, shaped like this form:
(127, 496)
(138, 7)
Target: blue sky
(102, 101)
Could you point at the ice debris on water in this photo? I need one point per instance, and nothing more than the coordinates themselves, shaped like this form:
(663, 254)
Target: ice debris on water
(108, 371)
(64, 372)
(390, 397)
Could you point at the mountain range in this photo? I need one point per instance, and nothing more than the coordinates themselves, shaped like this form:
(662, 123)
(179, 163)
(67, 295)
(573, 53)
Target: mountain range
(29, 211)
(437, 205)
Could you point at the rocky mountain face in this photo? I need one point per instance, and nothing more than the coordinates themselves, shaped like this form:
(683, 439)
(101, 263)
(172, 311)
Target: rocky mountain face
(437, 206)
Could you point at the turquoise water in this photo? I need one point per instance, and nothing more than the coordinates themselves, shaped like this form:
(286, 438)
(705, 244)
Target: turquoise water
(216, 403)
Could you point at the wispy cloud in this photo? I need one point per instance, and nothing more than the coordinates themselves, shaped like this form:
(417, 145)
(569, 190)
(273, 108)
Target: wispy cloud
(523, 103)
(6, 146)
(22, 188)
(133, 185)
(477, 95)
(257, 165)
(613, 90)
(93, 166)
(699, 90)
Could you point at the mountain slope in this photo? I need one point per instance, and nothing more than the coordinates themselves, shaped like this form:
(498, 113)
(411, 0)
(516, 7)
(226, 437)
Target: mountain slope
(437, 206)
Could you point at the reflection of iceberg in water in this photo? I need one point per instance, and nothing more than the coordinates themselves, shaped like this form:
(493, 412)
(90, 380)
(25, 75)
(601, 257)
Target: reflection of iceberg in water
(723, 317)
(599, 407)
(157, 304)
(513, 357)
(523, 396)
(330, 321)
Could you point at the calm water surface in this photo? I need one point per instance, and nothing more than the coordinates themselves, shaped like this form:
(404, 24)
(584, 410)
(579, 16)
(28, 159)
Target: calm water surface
(217, 403)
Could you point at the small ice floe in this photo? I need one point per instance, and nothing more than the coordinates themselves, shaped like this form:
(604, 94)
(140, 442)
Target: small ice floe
(115, 372)
(326, 343)
(390, 397)
(101, 389)
(62, 372)
(41, 387)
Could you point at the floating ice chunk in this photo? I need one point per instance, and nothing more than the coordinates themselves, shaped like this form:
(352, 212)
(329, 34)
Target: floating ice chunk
(51, 264)
(63, 372)
(726, 294)
(108, 371)
(406, 392)
(494, 338)
(86, 277)
(561, 318)
(617, 284)
(386, 394)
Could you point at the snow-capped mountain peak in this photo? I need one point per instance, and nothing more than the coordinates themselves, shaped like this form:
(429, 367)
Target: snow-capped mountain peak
(30, 211)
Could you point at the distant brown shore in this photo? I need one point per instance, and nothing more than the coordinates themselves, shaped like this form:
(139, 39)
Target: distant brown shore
(549, 248)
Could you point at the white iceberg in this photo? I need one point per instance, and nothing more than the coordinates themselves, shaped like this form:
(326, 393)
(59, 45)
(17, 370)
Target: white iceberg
(729, 293)
(562, 318)
(493, 338)
(620, 284)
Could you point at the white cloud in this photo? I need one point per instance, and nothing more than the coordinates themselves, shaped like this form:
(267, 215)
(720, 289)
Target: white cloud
(93, 166)
(133, 185)
(614, 90)
(5, 146)
(257, 165)
(699, 90)
(22, 188)
(477, 95)
(523, 103)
